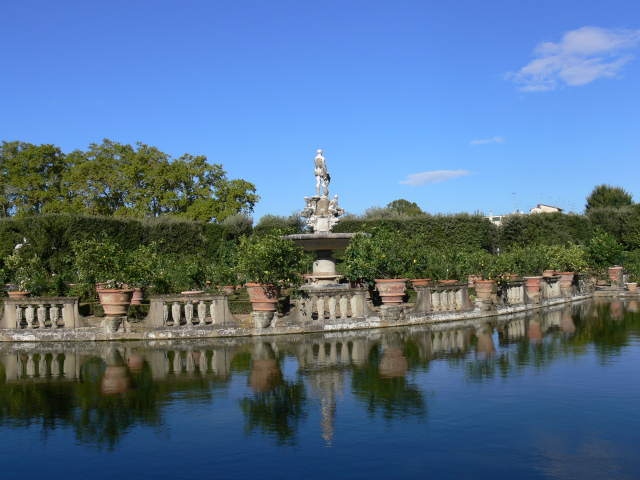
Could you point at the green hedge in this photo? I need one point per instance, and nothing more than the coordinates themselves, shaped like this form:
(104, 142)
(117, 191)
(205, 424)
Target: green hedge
(462, 230)
(51, 235)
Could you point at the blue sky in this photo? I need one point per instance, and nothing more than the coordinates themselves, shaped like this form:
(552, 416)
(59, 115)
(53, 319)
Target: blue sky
(455, 105)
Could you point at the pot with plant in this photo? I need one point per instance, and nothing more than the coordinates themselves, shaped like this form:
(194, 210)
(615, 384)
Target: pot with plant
(105, 263)
(381, 259)
(265, 264)
(21, 270)
(567, 260)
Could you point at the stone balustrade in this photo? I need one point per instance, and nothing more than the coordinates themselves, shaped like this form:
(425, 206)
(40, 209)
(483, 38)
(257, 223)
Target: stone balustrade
(514, 292)
(332, 304)
(550, 287)
(442, 298)
(41, 313)
(188, 310)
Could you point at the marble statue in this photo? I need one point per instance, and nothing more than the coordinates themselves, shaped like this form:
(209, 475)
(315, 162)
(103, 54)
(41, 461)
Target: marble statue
(322, 176)
(334, 209)
(321, 213)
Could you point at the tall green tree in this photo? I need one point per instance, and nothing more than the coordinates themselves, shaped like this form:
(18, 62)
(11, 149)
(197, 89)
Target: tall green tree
(31, 179)
(607, 196)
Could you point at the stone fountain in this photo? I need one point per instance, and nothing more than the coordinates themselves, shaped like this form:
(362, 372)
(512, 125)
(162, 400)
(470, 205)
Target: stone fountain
(322, 214)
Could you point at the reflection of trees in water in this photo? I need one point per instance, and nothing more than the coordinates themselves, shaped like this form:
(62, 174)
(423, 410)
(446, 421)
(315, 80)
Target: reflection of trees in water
(104, 415)
(277, 405)
(606, 325)
(391, 395)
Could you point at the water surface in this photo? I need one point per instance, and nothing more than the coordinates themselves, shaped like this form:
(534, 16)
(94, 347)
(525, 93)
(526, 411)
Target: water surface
(549, 394)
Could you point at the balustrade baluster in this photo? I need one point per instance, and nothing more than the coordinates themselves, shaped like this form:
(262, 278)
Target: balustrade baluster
(202, 313)
(343, 307)
(320, 303)
(30, 314)
(19, 316)
(212, 312)
(176, 313)
(354, 305)
(188, 312)
(54, 316)
(332, 307)
(165, 313)
(42, 315)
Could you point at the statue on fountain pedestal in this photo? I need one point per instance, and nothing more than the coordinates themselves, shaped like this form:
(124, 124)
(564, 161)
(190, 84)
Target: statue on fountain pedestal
(321, 213)
(322, 176)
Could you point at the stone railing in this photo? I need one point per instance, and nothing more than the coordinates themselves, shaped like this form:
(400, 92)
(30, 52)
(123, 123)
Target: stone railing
(550, 287)
(331, 304)
(41, 313)
(442, 298)
(514, 292)
(188, 310)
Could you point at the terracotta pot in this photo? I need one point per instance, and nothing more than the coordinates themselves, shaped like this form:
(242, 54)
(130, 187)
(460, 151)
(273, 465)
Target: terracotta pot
(228, 289)
(420, 282)
(447, 282)
(114, 301)
(391, 290)
(615, 274)
(19, 294)
(533, 284)
(138, 296)
(263, 298)
(484, 288)
(566, 279)
(632, 286)
(547, 274)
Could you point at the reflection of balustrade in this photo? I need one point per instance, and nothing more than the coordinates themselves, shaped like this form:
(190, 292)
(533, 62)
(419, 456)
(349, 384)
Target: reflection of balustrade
(188, 310)
(332, 304)
(191, 361)
(442, 298)
(41, 313)
(39, 365)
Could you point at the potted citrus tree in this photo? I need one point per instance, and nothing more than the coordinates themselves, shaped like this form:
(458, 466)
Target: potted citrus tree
(108, 266)
(381, 259)
(265, 264)
(21, 270)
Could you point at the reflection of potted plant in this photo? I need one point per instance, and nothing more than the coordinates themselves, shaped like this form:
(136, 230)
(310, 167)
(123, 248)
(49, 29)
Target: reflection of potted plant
(267, 262)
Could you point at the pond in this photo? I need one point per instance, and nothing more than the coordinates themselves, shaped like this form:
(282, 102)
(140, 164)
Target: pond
(546, 394)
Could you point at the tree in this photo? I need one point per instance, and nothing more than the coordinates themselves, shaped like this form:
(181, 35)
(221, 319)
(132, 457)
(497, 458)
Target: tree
(405, 207)
(607, 196)
(118, 179)
(30, 179)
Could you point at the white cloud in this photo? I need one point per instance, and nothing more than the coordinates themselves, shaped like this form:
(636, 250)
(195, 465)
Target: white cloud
(582, 56)
(425, 178)
(490, 140)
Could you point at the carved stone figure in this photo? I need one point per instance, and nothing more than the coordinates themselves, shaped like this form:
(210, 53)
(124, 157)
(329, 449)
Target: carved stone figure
(322, 176)
(334, 209)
